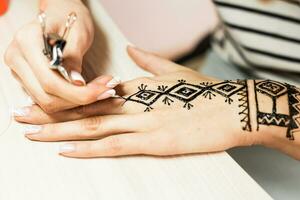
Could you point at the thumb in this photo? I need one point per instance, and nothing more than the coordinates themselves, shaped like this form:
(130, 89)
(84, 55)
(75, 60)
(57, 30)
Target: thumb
(77, 78)
(150, 62)
(74, 66)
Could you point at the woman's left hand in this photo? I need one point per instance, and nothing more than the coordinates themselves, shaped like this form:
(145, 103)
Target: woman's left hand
(176, 124)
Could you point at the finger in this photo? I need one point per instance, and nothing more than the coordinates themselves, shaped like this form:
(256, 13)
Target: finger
(54, 84)
(29, 100)
(140, 143)
(73, 56)
(79, 39)
(152, 63)
(77, 44)
(49, 103)
(77, 78)
(89, 128)
(23, 72)
(116, 145)
(35, 115)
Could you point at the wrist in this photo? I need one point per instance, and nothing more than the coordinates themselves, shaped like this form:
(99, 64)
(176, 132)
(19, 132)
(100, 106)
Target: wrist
(275, 112)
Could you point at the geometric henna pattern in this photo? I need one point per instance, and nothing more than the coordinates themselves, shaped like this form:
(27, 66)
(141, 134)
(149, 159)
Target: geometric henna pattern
(186, 93)
(294, 109)
(276, 90)
(244, 106)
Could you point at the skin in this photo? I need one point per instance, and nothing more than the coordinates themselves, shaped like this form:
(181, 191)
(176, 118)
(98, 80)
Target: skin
(109, 127)
(112, 128)
(31, 67)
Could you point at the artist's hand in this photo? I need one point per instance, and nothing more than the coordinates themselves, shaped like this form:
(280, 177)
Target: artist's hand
(31, 67)
(113, 127)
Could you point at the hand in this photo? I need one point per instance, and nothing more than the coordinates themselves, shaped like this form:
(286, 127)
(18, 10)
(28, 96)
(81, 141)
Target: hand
(31, 67)
(116, 127)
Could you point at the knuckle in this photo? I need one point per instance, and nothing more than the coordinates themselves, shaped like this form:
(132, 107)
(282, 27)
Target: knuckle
(47, 84)
(19, 36)
(90, 149)
(10, 53)
(91, 124)
(48, 105)
(143, 80)
(114, 145)
(8, 56)
(85, 99)
(73, 54)
(26, 32)
(148, 61)
(49, 128)
(82, 110)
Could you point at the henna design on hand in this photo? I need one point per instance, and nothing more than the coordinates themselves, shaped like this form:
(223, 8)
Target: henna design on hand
(277, 91)
(186, 93)
(245, 107)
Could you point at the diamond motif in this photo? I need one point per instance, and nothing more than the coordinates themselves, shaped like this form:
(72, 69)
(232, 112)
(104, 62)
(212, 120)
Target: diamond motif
(271, 88)
(186, 92)
(227, 88)
(145, 97)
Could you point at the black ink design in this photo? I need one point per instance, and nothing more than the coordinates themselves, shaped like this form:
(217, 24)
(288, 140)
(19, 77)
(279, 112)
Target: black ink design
(273, 119)
(276, 90)
(167, 101)
(145, 95)
(245, 108)
(209, 94)
(227, 87)
(162, 88)
(294, 109)
(186, 93)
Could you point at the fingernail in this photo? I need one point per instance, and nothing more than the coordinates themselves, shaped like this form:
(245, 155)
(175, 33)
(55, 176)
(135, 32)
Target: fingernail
(77, 78)
(67, 148)
(32, 129)
(20, 112)
(29, 101)
(114, 82)
(107, 94)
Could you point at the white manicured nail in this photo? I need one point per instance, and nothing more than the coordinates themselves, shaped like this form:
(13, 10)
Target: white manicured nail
(20, 112)
(114, 82)
(77, 77)
(32, 129)
(67, 148)
(107, 94)
(29, 101)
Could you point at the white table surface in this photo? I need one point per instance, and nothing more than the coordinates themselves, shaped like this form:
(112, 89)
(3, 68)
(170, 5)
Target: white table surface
(34, 171)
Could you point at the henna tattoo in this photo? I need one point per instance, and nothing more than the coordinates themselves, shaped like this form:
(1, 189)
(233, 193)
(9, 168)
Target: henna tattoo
(245, 108)
(276, 91)
(265, 115)
(186, 93)
(294, 109)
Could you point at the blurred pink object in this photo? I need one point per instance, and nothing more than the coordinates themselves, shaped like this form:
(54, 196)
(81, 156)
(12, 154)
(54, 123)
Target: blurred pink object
(169, 27)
